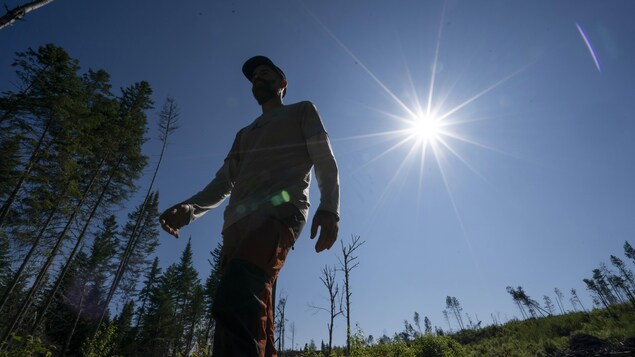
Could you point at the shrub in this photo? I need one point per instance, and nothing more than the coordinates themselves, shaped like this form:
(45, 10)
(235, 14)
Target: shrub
(437, 346)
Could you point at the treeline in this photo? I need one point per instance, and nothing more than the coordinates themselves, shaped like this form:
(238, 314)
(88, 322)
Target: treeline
(70, 159)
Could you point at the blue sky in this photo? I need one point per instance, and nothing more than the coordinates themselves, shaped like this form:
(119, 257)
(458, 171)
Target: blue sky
(534, 187)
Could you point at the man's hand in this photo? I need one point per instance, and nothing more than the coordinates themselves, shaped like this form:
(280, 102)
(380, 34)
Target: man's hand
(329, 226)
(174, 218)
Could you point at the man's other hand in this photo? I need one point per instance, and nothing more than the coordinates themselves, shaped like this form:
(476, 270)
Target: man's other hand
(329, 226)
(174, 218)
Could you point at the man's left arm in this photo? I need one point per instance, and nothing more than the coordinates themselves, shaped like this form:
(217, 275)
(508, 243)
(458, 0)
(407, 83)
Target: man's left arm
(326, 174)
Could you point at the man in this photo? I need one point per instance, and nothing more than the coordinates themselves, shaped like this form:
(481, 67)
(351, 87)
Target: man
(267, 172)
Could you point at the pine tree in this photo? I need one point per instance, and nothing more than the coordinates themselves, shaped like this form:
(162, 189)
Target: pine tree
(575, 298)
(124, 339)
(453, 305)
(82, 289)
(417, 321)
(629, 251)
(131, 265)
(150, 282)
(158, 331)
(559, 297)
(211, 286)
(549, 305)
(68, 164)
(187, 283)
(428, 325)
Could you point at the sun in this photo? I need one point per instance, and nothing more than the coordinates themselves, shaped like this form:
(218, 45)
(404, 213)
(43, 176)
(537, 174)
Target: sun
(426, 128)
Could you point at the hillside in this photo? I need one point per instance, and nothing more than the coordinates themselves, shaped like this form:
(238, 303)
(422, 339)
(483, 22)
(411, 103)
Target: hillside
(596, 333)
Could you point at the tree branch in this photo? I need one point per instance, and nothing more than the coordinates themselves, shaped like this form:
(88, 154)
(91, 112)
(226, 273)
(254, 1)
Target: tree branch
(19, 12)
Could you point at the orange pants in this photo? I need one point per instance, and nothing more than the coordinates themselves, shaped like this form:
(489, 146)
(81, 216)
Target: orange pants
(254, 251)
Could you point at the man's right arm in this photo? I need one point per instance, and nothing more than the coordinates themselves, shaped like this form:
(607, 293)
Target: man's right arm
(210, 197)
(213, 194)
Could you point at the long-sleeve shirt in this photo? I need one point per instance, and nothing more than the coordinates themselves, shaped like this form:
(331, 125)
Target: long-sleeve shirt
(270, 164)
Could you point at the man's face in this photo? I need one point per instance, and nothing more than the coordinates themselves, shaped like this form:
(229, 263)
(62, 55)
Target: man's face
(266, 84)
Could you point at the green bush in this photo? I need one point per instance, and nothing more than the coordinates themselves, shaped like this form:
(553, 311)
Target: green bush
(437, 346)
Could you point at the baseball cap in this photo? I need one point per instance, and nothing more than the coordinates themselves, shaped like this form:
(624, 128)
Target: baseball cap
(251, 64)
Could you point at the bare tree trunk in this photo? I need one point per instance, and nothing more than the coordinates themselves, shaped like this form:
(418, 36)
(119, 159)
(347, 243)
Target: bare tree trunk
(347, 265)
(282, 304)
(19, 12)
(328, 279)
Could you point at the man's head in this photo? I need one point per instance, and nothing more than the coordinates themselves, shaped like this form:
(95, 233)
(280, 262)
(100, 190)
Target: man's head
(268, 81)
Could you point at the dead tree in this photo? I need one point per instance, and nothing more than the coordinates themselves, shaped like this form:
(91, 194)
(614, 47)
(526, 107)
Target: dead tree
(280, 322)
(348, 262)
(335, 308)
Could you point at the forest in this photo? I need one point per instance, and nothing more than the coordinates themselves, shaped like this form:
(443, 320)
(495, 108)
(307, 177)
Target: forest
(70, 161)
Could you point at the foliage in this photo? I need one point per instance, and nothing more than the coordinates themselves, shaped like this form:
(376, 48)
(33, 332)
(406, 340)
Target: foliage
(16, 347)
(548, 335)
(102, 344)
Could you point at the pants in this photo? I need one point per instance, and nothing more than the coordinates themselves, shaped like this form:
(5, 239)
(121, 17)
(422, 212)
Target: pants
(254, 251)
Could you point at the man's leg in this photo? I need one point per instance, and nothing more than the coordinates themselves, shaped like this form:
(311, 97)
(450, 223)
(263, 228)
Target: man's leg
(254, 251)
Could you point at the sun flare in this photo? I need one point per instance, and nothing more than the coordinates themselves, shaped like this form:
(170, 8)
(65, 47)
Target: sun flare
(426, 128)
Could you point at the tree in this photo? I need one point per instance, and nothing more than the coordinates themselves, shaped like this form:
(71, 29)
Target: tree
(19, 12)
(454, 306)
(576, 299)
(407, 334)
(158, 331)
(522, 299)
(133, 257)
(196, 309)
(280, 321)
(335, 306)
(629, 251)
(626, 273)
(150, 282)
(549, 305)
(446, 316)
(186, 293)
(428, 325)
(601, 292)
(76, 297)
(348, 262)
(211, 286)
(125, 335)
(417, 321)
(559, 297)
(168, 119)
(292, 335)
(625, 281)
(70, 169)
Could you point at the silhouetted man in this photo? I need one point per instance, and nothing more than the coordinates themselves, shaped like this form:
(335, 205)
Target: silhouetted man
(267, 175)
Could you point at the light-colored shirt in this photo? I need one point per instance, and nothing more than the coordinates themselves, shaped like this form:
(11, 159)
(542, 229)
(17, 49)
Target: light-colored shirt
(270, 164)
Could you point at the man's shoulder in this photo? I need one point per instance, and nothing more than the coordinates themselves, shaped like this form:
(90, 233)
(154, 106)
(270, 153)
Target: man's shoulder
(301, 105)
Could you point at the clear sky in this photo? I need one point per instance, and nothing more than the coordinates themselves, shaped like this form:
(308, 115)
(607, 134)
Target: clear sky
(529, 182)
